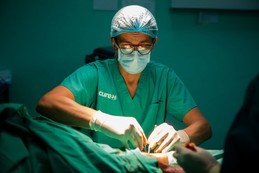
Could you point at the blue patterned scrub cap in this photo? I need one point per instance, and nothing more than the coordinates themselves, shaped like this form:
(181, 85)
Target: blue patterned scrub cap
(134, 18)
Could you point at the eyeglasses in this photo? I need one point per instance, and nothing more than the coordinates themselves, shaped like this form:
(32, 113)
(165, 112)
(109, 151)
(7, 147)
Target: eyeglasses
(127, 49)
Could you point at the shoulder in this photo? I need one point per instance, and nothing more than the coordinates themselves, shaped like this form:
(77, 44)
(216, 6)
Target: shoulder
(159, 69)
(107, 64)
(103, 62)
(157, 65)
(94, 66)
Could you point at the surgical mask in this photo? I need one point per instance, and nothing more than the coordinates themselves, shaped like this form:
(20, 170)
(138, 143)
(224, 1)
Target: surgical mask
(133, 63)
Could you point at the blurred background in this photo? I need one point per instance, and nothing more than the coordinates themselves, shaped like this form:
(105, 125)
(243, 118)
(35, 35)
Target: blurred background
(215, 52)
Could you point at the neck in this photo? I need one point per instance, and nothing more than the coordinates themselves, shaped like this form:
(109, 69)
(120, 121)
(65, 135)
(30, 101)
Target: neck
(131, 81)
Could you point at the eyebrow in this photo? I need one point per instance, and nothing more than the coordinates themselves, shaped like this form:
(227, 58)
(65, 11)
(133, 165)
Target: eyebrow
(144, 41)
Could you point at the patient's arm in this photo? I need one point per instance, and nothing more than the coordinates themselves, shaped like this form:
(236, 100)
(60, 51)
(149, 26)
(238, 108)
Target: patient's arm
(161, 157)
(132, 157)
(163, 162)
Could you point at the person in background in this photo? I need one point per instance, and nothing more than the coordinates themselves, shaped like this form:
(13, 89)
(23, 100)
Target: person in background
(122, 99)
(241, 149)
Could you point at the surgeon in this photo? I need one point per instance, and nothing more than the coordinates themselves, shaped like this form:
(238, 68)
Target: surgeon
(125, 99)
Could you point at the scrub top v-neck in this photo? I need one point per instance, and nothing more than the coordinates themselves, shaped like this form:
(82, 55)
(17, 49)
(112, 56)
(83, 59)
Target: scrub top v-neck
(100, 85)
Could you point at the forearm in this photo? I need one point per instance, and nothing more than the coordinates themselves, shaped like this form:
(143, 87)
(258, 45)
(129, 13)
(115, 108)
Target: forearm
(215, 169)
(198, 132)
(166, 164)
(161, 157)
(65, 110)
(198, 128)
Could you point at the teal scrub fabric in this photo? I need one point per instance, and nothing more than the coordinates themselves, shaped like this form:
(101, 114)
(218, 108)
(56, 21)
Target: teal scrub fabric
(38, 145)
(160, 92)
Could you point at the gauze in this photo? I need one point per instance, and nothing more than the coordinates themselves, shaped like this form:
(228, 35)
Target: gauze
(133, 63)
(134, 18)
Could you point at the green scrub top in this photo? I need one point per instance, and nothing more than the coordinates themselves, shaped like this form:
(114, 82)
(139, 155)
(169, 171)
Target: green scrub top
(160, 92)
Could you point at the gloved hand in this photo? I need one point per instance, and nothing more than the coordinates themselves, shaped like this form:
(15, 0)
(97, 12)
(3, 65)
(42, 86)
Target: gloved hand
(165, 137)
(198, 161)
(125, 129)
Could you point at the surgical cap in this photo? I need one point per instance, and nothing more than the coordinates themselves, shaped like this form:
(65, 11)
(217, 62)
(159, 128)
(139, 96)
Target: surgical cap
(134, 18)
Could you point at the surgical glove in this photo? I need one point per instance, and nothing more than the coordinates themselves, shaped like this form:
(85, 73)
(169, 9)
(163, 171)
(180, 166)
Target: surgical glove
(165, 137)
(195, 161)
(125, 129)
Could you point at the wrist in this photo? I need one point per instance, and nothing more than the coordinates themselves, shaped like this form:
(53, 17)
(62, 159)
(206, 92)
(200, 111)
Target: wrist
(183, 136)
(97, 120)
(215, 168)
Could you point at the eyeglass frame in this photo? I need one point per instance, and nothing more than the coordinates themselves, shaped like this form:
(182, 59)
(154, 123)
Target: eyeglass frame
(135, 47)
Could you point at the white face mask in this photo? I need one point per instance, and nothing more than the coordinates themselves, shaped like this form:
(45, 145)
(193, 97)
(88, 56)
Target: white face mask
(133, 63)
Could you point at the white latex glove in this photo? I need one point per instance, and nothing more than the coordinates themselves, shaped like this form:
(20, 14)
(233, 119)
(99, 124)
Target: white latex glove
(125, 129)
(199, 161)
(164, 137)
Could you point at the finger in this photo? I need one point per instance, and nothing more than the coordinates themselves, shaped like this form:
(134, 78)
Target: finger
(171, 146)
(191, 146)
(198, 149)
(158, 139)
(155, 132)
(136, 137)
(179, 148)
(139, 142)
(169, 140)
(167, 143)
(163, 145)
(182, 150)
(140, 133)
(145, 141)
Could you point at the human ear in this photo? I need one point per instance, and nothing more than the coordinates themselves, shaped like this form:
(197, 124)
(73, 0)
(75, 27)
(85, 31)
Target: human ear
(113, 44)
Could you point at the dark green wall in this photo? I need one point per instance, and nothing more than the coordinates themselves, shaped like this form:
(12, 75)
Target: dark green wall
(42, 41)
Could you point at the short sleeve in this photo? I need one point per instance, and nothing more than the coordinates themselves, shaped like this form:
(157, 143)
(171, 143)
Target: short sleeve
(180, 100)
(83, 84)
